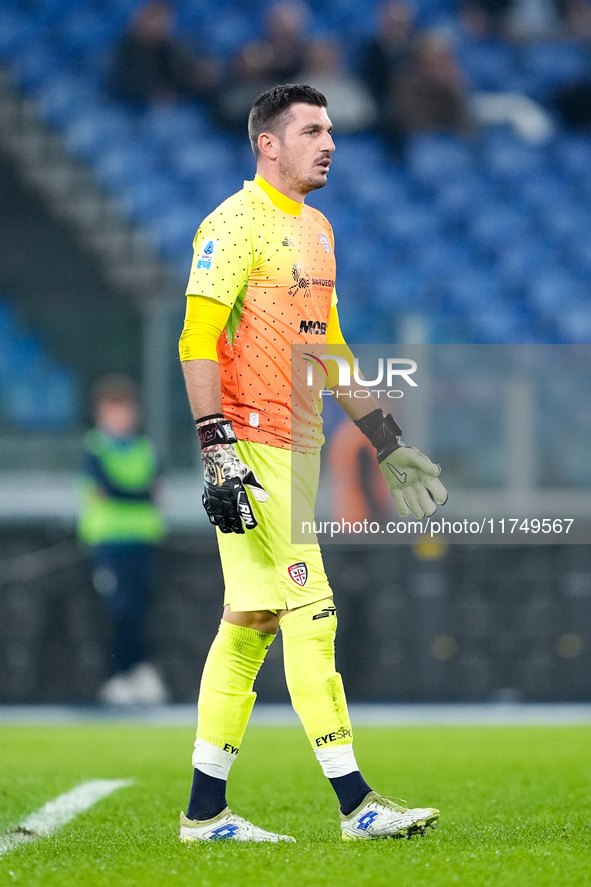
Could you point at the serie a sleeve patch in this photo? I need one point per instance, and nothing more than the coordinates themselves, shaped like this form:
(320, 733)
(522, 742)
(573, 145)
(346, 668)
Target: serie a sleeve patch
(206, 254)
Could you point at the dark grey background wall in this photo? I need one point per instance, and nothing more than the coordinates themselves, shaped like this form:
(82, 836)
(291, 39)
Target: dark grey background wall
(479, 623)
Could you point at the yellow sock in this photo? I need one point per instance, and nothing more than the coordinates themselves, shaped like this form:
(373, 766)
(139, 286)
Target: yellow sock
(315, 687)
(226, 697)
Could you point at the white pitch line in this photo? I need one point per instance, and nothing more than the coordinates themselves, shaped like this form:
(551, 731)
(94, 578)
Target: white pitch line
(59, 811)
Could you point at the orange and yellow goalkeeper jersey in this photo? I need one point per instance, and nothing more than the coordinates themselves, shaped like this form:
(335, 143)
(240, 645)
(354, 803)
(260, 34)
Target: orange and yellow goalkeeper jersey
(271, 261)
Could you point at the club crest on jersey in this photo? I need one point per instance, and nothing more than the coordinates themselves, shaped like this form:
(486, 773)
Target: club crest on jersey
(299, 573)
(325, 242)
(207, 254)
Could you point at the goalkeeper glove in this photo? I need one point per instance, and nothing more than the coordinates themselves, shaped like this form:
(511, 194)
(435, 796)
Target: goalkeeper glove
(225, 477)
(410, 475)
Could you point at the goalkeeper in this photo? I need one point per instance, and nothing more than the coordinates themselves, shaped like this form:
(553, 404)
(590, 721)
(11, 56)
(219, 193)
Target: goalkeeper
(262, 279)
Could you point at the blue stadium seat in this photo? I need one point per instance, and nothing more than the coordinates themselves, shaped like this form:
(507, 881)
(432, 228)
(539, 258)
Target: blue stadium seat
(395, 288)
(356, 256)
(528, 257)
(145, 199)
(351, 226)
(366, 326)
(362, 151)
(430, 159)
(460, 196)
(51, 12)
(96, 130)
(35, 393)
(175, 126)
(409, 224)
(574, 324)
(174, 232)
(490, 65)
(543, 192)
(579, 257)
(119, 166)
(9, 360)
(441, 257)
(572, 155)
(474, 288)
(210, 193)
(548, 66)
(42, 398)
(497, 226)
(567, 224)
(35, 66)
(192, 17)
(223, 35)
(18, 32)
(551, 294)
(376, 190)
(64, 98)
(508, 158)
(355, 155)
(85, 30)
(503, 323)
(353, 21)
(122, 10)
(194, 161)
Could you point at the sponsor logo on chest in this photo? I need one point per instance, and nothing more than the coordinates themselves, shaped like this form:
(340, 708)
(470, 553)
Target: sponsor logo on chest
(314, 327)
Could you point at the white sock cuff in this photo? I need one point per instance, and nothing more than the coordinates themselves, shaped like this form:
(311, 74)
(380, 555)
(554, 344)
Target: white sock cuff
(338, 760)
(211, 760)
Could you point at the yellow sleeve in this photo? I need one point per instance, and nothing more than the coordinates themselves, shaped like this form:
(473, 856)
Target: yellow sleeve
(335, 337)
(204, 321)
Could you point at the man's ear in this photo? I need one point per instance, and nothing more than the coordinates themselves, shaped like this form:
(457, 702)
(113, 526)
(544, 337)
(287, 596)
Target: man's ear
(269, 145)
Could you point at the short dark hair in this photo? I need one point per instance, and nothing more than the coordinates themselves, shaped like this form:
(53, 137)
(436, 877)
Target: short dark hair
(115, 388)
(270, 110)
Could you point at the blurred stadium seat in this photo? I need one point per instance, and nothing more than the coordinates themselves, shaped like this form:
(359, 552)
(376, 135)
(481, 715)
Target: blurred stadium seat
(490, 65)
(550, 65)
(36, 393)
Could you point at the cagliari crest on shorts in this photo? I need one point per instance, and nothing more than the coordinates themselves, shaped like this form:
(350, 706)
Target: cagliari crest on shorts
(299, 573)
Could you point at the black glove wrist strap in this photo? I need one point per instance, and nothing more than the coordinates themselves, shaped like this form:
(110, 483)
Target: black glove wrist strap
(383, 432)
(214, 430)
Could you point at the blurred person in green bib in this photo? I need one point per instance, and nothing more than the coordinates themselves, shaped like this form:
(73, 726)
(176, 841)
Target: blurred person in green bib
(122, 525)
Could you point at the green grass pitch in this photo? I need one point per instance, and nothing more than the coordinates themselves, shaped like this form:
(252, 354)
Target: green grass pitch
(515, 808)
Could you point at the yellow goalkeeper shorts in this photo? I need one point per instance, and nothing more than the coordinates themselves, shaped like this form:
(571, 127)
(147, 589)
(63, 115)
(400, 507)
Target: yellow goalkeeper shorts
(263, 569)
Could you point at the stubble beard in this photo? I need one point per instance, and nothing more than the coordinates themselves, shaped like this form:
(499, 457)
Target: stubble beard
(293, 179)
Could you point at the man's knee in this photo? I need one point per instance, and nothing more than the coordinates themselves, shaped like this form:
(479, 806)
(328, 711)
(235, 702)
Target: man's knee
(318, 619)
(259, 620)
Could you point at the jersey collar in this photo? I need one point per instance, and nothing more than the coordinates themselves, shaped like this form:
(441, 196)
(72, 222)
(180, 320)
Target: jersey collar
(281, 201)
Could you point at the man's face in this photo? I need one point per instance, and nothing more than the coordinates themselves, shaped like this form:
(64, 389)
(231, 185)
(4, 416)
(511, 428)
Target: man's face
(119, 418)
(305, 149)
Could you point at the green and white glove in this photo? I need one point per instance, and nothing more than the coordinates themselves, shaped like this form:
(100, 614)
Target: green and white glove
(411, 476)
